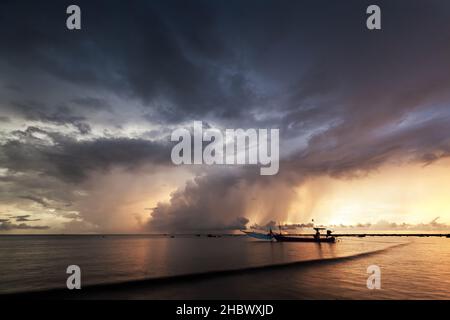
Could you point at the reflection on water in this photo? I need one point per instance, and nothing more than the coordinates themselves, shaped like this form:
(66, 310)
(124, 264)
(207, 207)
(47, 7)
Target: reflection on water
(38, 262)
(417, 270)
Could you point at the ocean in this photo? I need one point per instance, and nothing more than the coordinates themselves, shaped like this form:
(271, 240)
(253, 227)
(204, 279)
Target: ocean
(411, 268)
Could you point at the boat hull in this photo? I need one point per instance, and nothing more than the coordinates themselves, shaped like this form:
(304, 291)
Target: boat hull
(282, 238)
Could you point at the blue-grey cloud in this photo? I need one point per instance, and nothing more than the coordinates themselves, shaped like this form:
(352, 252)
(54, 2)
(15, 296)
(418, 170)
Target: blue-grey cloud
(346, 99)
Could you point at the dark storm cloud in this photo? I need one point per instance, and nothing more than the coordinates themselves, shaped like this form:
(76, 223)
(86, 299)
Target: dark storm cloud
(71, 160)
(48, 168)
(222, 199)
(91, 102)
(374, 97)
(346, 99)
(223, 60)
(25, 218)
(82, 127)
(424, 142)
(33, 110)
(154, 53)
(8, 226)
(187, 207)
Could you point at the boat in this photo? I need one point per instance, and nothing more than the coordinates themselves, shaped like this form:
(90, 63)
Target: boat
(259, 235)
(328, 238)
(287, 238)
(280, 237)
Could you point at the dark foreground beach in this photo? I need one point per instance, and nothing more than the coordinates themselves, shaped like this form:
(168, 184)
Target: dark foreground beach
(412, 269)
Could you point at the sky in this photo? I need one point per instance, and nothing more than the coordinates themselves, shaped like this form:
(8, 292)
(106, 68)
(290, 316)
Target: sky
(86, 115)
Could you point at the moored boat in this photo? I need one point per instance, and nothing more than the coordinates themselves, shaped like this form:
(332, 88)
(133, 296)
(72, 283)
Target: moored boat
(317, 237)
(280, 237)
(287, 238)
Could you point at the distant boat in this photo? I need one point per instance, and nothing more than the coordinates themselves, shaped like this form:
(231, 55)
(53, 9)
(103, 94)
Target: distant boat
(259, 235)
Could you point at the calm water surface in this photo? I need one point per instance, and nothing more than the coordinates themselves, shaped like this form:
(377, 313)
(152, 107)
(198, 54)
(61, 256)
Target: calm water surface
(420, 268)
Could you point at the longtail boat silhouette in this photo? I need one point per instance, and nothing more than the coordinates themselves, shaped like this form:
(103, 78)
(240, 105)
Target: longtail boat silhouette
(317, 237)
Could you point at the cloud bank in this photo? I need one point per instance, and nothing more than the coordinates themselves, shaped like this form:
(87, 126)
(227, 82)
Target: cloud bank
(76, 108)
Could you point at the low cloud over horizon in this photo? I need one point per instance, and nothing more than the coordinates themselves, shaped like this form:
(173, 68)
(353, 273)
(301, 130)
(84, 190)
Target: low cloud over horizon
(86, 116)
